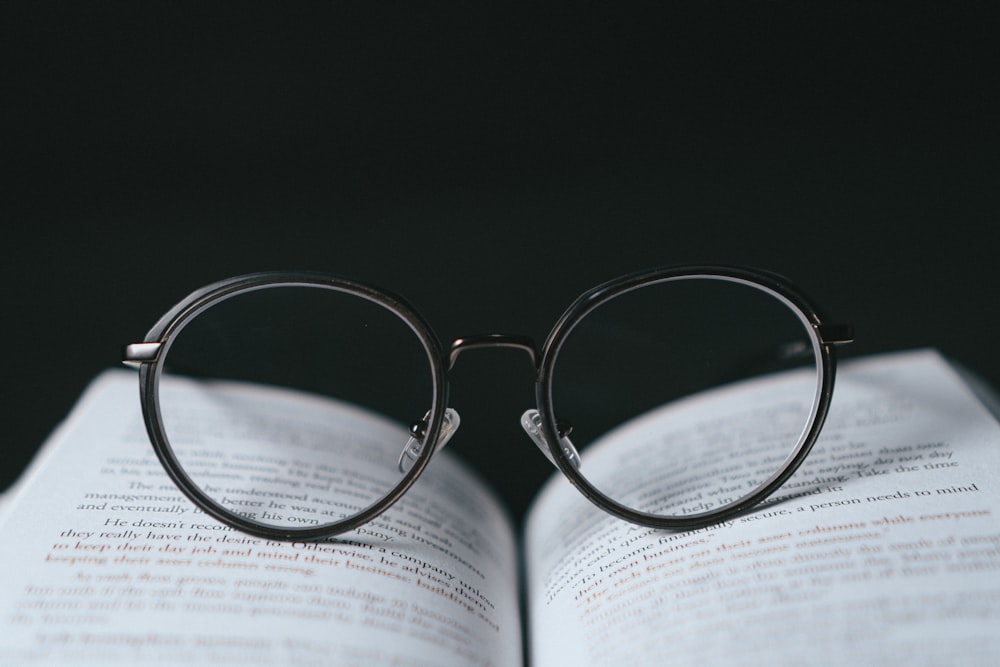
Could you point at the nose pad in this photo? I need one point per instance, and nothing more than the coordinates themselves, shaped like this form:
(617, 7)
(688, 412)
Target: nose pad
(415, 445)
(531, 422)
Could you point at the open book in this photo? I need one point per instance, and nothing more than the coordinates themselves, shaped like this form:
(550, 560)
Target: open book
(883, 548)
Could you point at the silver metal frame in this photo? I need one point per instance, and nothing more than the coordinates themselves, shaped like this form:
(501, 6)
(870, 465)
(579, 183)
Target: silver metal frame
(147, 356)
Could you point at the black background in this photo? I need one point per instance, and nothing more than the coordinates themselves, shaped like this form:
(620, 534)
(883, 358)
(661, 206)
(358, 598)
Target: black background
(488, 163)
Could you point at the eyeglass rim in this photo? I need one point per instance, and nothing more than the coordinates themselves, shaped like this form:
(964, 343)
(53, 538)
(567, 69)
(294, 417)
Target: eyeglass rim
(174, 320)
(601, 294)
(184, 311)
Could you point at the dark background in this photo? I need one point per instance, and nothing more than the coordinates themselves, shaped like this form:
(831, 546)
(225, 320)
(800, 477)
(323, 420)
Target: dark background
(489, 164)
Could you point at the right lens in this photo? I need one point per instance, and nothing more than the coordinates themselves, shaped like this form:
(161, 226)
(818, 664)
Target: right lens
(689, 395)
(289, 404)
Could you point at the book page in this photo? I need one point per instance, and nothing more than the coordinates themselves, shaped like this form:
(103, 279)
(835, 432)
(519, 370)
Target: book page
(106, 562)
(884, 548)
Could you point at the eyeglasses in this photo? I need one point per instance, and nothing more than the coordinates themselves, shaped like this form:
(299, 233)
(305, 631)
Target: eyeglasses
(672, 398)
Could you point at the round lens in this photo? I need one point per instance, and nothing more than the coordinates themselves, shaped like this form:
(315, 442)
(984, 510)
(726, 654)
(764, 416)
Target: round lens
(290, 405)
(687, 396)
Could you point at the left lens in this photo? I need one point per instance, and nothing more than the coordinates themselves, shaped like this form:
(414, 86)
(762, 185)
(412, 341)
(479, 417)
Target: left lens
(289, 406)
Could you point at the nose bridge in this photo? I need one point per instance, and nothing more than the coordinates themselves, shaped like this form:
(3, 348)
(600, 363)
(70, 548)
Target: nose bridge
(495, 340)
